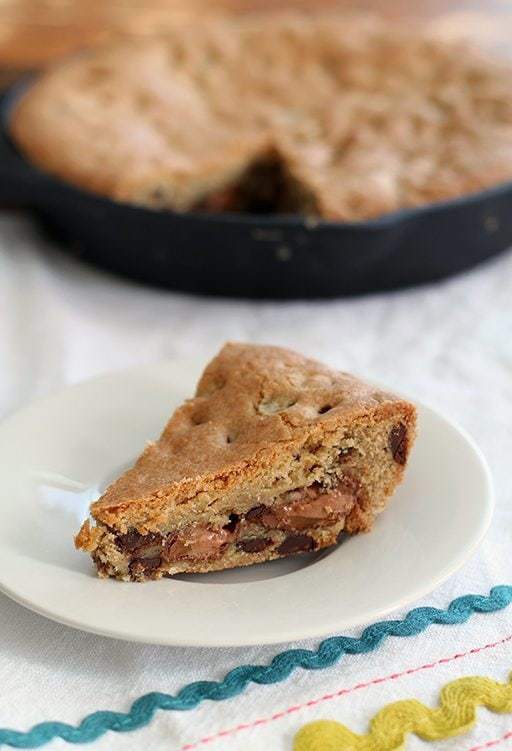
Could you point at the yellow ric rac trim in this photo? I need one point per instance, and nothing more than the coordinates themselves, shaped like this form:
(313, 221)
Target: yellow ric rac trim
(390, 727)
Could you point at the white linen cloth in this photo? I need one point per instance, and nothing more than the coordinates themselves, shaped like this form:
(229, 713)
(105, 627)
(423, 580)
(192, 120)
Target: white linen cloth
(449, 343)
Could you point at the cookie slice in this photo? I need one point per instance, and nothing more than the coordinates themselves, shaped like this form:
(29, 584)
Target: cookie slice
(275, 455)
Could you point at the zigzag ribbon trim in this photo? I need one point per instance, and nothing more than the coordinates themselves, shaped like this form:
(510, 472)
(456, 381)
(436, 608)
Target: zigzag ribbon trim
(236, 681)
(390, 727)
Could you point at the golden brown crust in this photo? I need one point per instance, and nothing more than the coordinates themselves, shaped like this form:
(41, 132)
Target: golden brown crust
(254, 406)
(368, 118)
(88, 536)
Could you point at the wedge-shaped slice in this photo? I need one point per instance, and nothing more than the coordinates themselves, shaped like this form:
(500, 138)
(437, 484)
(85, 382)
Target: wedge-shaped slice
(275, 455)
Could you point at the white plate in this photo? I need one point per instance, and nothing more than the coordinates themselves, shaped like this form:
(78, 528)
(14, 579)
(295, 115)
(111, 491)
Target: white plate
(58, 454)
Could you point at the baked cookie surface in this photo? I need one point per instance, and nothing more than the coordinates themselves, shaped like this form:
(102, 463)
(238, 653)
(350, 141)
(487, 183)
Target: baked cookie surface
(329, 116)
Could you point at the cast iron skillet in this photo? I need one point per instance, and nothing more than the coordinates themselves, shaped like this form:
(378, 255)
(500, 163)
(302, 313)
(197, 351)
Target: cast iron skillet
(259, 256)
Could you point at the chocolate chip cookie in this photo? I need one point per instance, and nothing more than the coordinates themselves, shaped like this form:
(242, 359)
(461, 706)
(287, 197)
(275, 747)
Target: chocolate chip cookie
(275, 455)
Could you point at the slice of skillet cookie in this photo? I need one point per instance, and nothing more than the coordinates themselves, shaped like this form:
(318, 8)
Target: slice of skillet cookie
(275, 455)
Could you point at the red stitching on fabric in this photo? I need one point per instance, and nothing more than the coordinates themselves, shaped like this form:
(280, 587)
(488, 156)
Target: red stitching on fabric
(491, 744)
(345, 691)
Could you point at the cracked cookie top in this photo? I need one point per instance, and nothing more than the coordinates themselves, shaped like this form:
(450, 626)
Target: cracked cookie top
(351, 118)
(253, 403)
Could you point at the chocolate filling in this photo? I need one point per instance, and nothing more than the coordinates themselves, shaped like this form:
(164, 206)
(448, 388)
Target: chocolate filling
(233, 523)
(254, 544)
(398, 443)
(145, 565)
(255, 512)
(296, 544)
(266, 187)
(296, 511)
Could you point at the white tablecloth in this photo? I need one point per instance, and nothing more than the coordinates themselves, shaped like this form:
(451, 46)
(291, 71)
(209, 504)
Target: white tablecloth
(450, 344)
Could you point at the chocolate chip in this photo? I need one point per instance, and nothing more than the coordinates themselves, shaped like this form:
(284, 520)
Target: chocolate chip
(133, 541)
(232, 525)
(169, 541)
(398, 443)
(254, 544)
(296, 544)
(144, 565)
(150, 564)
(129, 541)
(255, 512)
(346, 454)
